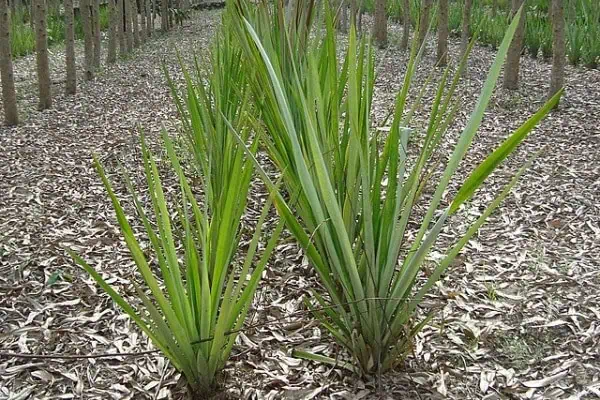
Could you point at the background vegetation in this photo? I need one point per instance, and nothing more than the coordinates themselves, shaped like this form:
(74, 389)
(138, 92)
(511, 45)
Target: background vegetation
(582, 22)
(23, 36)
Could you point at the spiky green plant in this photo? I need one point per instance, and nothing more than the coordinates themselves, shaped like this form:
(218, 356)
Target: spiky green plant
(533, 35)
(352, 190)
(591, 33)
(198, 302)
(454, 18)
(546, 44)
(575, 38)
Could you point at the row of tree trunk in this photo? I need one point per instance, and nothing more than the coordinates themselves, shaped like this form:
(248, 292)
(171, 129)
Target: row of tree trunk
(131, 23)
(511, 75)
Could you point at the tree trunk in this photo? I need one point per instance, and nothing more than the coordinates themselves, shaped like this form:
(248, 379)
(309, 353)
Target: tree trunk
(424, 20)
(9, 96)
(113, 21)
(494, 8)
(164, 15)
(405, 24)
(31, 15)
(466, 27)
(120, 17)
(380, 28)
(143, 27)
(135, 23)
(149, 20)
(96, 29)
(442, 44)
(128, 25)
(41, 51)
(511, 68)
(343, 25)
(14, 6)
(557, 80)
(71, 86)
(88, 40)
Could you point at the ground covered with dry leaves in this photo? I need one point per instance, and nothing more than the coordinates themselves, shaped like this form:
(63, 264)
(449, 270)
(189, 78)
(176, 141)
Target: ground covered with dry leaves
(518, 314)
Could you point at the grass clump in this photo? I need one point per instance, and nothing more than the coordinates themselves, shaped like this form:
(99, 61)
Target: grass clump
(194, 307)
(351, 190)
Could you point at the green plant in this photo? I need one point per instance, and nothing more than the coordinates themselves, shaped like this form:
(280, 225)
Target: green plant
(546, 44)
(454, 18)
(533, 35)
(591, 33)
(575, 39)
(208, 285)
(21, 34)
(351, 189)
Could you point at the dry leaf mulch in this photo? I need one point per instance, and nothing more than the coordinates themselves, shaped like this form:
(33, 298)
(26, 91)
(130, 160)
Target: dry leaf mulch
(519, 312)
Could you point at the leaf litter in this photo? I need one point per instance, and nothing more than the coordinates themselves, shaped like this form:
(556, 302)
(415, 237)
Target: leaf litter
(518, 314)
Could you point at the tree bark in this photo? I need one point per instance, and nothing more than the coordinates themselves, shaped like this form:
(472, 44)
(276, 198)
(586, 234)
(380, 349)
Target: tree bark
(164, 15)
(511, 68)
(128, 25)
(113, 20)
(380, 28)
(557, 79)
(135, 23)
(494, 8)
(121, 27)
(9, 95)
(71, 85)
(96, 29)
(424, 20)
(343, 25)
(353, 12)
(405, 24)
(466, 27)
(442, 44)
(41, 52)
(149, 20)
(143, 28)
(13, 8)
(88, 40)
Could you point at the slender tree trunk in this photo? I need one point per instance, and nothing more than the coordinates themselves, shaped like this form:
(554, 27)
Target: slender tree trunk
(41, 51)
(466, 27)
(135, 22)
(380, 28)
(71, 86)
(424, 20)
(143, 27)
(405, 24)
(32, 15)
(120, 27)
(164, 15)
(13, 8)
(9, 95)
(494, 8)
(88, 40)
(128, 25)
(149, 20)
(96, 29)
(557, 80)
(113, 22)
(155, 5)
(343, 26)
(442, 44)
(511, 68)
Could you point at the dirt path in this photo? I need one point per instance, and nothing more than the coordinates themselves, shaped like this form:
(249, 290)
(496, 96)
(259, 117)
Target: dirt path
(521, 308)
